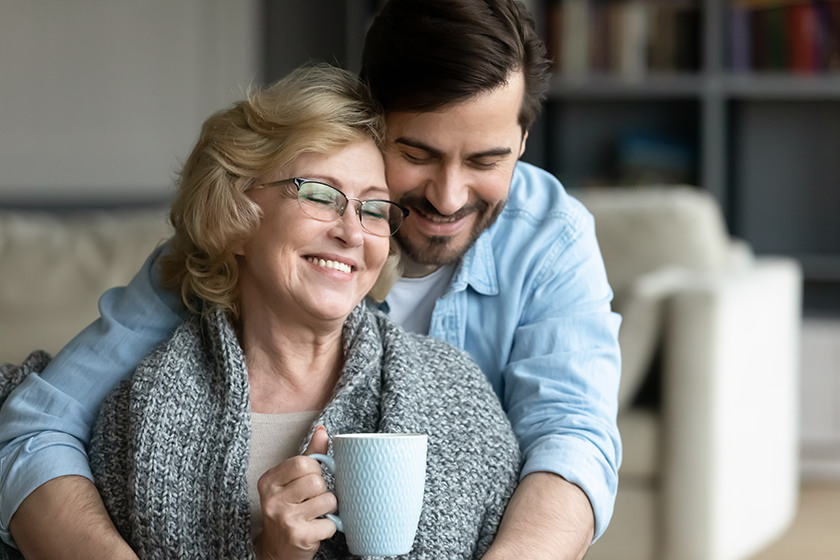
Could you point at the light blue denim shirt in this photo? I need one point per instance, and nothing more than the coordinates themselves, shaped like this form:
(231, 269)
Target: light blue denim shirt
(530, 303)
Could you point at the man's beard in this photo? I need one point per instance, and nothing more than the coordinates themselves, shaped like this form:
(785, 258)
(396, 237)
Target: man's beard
(438, 249)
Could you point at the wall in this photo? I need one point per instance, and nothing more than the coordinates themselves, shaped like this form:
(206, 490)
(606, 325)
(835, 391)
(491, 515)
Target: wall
(297, 32)
(100, 99)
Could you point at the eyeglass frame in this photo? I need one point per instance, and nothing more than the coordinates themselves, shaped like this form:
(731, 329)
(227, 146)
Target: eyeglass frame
(298, 183)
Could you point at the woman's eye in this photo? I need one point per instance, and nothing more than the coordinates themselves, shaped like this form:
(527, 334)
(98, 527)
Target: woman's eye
(375, 211)
(319, 198)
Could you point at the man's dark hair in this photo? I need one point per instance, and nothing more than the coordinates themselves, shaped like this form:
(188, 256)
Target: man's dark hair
(423, 55)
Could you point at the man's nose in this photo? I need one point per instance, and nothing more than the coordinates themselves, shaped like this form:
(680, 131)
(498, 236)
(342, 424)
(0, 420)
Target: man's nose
(448, 192)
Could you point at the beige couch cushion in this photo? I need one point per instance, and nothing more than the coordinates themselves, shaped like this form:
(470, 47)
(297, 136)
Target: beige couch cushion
(53, 270)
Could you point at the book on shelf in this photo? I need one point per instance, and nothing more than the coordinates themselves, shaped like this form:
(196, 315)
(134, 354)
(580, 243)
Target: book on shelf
(740, 47)
(797, 36)
(644, 157)
(628, 38)
(573, 42)
(632, 55)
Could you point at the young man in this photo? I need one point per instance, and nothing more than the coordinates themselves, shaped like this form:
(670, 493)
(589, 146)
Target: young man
(498, 261)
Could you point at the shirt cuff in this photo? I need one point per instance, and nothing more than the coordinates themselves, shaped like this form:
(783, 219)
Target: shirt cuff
(38, 460)
(582, 463)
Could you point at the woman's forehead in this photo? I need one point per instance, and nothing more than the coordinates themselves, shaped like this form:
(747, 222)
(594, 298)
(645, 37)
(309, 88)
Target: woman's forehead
(358, 165)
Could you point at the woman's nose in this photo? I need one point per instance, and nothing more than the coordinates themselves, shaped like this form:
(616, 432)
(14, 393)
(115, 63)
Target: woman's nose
(349, 224)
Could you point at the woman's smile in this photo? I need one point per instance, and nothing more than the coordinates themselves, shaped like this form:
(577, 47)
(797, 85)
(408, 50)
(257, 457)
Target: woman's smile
(332, 263)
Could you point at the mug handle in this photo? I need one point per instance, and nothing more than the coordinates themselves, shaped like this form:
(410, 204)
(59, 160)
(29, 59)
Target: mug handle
(330, 464)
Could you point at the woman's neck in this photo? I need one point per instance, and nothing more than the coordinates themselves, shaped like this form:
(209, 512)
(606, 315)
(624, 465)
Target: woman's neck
(291, 367)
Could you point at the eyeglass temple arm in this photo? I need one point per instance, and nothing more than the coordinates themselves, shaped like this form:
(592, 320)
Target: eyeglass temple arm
(272, 184)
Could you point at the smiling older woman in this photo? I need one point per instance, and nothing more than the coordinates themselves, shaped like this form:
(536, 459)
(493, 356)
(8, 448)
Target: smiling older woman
(283, 224)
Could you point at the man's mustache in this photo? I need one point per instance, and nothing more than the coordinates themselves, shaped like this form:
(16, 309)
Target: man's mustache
(422, 205)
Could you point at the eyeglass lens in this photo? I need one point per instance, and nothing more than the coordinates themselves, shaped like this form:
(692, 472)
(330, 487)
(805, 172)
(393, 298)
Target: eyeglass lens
(326, 203)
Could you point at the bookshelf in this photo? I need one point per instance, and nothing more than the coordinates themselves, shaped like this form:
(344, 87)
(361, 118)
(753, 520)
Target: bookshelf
(765, 143)
(763, 139)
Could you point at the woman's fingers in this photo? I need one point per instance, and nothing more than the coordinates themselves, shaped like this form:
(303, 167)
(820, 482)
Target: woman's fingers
(294, 499)
(298, 491)
(319, 506)
(322, 529)
(287, 472)
(299, 519)
(292, 528)
(292, 543)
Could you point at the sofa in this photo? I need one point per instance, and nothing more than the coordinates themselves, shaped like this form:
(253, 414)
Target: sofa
(708, 397)
(53, 268)
(709, 356)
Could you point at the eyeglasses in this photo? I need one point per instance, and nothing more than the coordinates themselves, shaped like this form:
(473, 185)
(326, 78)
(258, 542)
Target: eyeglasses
(326, 203)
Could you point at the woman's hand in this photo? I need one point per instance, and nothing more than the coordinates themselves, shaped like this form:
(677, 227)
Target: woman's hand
(293, 495)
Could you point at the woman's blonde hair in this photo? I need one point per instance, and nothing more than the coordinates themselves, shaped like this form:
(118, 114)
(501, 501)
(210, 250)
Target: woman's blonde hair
(388, 276)
(317, 109)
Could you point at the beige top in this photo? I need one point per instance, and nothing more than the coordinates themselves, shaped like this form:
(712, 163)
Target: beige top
(274, 438)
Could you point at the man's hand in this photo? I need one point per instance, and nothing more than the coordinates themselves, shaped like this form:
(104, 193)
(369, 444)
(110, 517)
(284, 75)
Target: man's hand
(65, 518)
(547, 518)
(293, 496)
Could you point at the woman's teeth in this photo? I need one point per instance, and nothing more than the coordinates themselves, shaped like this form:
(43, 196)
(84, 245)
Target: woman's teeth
(330, 264)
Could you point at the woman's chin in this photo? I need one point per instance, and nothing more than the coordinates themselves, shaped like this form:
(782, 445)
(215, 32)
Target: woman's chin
(337, 311)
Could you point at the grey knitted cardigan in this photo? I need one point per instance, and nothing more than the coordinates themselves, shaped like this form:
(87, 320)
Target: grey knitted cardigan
(170, 448)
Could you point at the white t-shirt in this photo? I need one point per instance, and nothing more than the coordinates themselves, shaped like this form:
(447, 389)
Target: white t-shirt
(412, 300)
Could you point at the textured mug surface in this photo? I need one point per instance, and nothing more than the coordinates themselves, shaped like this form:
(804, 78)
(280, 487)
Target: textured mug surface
(379, 483)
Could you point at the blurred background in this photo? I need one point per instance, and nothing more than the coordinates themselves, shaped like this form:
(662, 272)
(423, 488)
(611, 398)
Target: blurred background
(101, 99)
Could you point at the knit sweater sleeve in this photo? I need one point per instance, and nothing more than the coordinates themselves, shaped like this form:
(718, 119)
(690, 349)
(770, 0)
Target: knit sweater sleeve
(112, 470)
(475, 447)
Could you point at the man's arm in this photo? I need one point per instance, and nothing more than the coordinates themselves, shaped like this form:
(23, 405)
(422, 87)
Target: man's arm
(547, 517)
(559, 383)
(46, 423)
(65, 519)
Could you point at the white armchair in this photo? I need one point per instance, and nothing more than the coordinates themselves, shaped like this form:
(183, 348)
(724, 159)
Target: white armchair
(710, 473)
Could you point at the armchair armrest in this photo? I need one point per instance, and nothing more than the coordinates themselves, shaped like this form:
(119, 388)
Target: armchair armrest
(730, 372)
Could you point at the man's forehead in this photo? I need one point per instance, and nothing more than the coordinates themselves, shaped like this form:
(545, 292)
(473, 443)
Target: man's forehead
(491, 113)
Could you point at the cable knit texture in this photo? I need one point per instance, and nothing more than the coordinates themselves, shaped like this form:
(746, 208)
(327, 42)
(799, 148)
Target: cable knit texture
(170, 448)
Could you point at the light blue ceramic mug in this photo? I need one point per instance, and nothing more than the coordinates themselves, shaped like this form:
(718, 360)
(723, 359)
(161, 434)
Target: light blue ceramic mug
(379, 483)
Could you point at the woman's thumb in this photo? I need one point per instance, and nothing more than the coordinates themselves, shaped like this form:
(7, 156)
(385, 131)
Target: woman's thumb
(319, 443)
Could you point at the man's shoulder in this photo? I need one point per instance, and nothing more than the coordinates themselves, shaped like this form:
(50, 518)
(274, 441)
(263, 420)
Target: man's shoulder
(539, 215)
(537, 197)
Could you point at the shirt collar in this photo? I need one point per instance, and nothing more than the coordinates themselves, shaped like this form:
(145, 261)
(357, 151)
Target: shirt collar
(478, 269)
